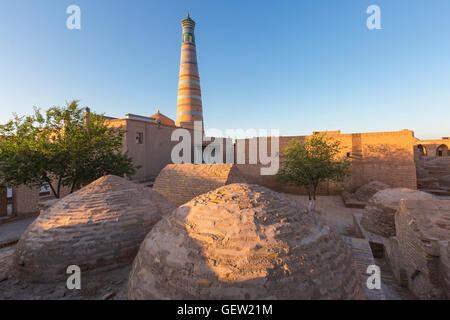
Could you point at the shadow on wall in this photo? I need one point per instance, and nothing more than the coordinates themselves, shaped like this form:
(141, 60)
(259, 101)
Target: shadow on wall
(387, 152)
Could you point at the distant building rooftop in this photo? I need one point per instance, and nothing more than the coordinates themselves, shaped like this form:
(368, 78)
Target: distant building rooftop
(162, 119)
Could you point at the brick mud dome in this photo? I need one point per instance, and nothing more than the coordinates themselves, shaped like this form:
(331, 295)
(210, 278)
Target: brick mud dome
(101, 224)
(243, 242)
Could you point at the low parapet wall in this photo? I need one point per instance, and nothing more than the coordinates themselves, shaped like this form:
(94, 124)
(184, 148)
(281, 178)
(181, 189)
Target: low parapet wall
(183, 182)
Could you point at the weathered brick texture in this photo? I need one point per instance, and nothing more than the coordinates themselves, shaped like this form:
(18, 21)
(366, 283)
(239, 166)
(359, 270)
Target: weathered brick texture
(182, 182)
(244, 241)
(423, 233)
(99, 225)
(387, 157)
(379, 213)
(25, 201)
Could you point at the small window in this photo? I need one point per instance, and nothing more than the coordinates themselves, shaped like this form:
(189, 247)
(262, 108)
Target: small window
(348, 154)
(139, 137)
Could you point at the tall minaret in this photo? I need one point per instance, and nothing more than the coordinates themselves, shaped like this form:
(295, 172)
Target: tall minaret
(189, 103)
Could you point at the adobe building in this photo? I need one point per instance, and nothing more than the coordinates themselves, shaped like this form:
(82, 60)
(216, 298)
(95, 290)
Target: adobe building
(432, 159)
(20, 201)
(432, 148)
(147, 142)
(388, 157)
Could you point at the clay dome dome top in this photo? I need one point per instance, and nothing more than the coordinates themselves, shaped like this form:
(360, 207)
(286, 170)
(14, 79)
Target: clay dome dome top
(102, 200)
(162, 119)
(243, 241)
(379, 214)
(100, 224)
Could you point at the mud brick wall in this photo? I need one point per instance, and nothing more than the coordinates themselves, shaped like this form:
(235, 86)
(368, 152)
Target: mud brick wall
(25, 201)
(182, 182)
(383, 156)
(423, 232)
(444, 266)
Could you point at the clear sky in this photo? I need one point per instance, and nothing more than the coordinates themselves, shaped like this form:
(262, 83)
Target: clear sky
(298, 66)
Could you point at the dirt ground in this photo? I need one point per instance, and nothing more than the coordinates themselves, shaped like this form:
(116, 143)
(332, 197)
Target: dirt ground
(95, 285)
(332, 209)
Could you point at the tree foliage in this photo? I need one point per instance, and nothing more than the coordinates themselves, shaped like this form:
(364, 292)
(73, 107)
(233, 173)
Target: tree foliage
(59, 148)
(308, 163)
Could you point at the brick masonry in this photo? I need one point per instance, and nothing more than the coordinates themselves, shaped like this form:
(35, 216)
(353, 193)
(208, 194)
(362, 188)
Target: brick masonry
(244, 241)
(423, 235)
(25, 201)
(387, 157)
(99, 225)
(379, 213)
(182, 182)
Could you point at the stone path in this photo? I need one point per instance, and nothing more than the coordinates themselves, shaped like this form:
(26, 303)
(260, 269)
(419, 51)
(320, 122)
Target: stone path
(392, 290)
(10, 232)
(333, 210)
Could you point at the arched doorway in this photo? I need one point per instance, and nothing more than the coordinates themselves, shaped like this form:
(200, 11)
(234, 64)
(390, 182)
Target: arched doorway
(442, 151)
(421, 150)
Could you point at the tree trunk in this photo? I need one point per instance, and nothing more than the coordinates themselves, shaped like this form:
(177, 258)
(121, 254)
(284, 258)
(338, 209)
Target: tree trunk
(72, 189)
(312, 201)
(59, 187)
(46, 179)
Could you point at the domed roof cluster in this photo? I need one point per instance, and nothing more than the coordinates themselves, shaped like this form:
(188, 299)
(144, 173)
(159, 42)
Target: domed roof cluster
(100, 224)
(243, 241)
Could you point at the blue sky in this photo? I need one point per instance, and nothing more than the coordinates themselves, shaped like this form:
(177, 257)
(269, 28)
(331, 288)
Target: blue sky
(298, 66)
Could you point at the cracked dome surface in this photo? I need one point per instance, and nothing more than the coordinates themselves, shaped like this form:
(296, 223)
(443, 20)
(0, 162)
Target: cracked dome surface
(99, 225)
(243, 241)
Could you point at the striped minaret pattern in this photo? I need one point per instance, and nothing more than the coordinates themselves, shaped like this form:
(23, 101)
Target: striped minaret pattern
(189, 103)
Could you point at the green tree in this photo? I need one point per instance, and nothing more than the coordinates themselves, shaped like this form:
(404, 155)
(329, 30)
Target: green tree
(59, 148)
(308, 163)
